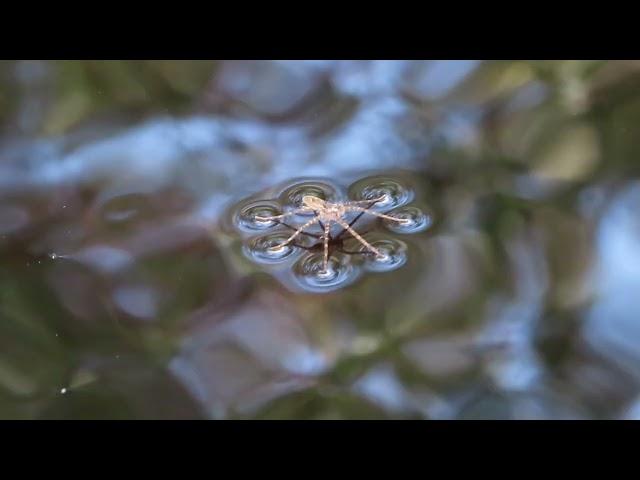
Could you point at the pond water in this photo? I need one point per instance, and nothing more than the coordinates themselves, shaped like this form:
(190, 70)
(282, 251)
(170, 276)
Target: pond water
(136, 281)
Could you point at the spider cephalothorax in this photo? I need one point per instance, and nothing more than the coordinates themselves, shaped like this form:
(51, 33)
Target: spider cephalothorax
(328, 213)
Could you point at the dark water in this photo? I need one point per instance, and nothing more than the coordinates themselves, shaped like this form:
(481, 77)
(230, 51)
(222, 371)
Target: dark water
(136, 282)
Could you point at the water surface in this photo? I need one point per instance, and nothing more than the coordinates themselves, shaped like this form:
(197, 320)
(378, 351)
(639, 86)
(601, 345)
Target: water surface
(135, 281)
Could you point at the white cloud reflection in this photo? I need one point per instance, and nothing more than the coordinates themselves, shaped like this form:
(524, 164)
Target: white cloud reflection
(612, 323)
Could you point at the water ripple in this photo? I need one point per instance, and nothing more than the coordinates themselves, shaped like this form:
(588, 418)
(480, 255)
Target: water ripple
(311, 276)
(261, 249)
(415, 220)
(394, 193)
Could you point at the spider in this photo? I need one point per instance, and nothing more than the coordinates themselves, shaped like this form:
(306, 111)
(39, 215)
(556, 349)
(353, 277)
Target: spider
(328, 213)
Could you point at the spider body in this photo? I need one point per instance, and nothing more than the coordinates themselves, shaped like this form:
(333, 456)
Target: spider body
(326, 214)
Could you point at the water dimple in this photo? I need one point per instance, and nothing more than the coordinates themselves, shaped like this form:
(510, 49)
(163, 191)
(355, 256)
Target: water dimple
(415, 220)
(245, 217)
(263, 249)
(311, 276)
(394, 255)
(393, 193)
(292, 196)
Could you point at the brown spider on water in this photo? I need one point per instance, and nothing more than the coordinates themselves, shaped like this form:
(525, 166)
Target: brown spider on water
(326, 214)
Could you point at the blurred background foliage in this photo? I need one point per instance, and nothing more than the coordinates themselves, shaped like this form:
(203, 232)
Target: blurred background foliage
(124, 294)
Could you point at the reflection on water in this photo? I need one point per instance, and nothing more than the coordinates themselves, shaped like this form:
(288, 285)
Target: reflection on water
(136, 281)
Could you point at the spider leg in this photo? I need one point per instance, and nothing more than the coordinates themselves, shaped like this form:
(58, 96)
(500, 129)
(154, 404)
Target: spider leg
(350, 224)
(325, 261)
(381, 215)
(301, 233)
(274, 217)
(317, 214)
(354, 221)
(365, 202)
(278, 217)
(295, 234)
(357, 236)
